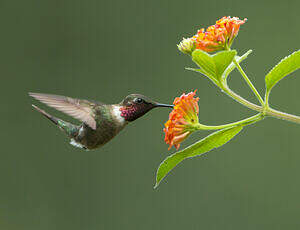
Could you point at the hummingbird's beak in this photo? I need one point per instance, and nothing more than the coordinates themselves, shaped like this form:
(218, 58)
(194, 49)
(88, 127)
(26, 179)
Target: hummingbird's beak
(163, 105)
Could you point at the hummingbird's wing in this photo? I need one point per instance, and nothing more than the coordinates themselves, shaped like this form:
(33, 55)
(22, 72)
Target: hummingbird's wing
(79, 109)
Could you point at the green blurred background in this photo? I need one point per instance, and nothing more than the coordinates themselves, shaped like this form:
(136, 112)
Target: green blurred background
(104, 50)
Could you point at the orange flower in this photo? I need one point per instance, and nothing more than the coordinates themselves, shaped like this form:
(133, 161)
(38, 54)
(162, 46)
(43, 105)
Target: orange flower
(182, 119)
(219, 36)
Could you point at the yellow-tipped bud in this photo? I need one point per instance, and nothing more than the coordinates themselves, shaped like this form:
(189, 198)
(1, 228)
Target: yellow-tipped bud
(187, 45)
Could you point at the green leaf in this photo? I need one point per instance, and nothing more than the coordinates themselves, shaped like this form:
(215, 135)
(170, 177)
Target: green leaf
(205, 62)
(282, 69)
(222, 60)
(232, 66)
(213, 66)
(208, 143)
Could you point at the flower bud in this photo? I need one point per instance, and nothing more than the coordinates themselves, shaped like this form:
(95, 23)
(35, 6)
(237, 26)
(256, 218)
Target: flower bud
(187, 45)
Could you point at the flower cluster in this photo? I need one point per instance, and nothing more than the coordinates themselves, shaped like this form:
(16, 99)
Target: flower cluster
(182, 119)
(219, 36)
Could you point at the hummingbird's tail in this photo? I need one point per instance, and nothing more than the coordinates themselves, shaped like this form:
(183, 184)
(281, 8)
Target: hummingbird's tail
(70, 129)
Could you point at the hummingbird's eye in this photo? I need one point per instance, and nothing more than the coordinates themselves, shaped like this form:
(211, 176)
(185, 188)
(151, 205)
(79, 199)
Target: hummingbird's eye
(138, 100)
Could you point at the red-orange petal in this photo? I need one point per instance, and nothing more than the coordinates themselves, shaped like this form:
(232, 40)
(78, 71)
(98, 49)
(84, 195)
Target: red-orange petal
(218, 36)
(183, 116)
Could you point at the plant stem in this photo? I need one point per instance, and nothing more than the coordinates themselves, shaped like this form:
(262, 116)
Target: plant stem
(267, 99)
(242, 100)
(267, 111)
(282, 115)
(254, 90)
(246, 121)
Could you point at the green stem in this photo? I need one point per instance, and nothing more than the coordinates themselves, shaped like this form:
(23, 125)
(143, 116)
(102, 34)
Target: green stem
(242, 100)
(246, 121)
(267, 99)
(254, 90)
(267, 111)
(282, 115)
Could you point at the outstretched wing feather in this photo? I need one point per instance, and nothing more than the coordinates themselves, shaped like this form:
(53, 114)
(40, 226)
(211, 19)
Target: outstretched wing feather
(79, 109)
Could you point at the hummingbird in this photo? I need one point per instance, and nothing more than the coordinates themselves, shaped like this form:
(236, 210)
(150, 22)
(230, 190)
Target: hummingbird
(100, 122)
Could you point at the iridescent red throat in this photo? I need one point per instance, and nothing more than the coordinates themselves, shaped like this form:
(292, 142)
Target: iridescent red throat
(133, 112)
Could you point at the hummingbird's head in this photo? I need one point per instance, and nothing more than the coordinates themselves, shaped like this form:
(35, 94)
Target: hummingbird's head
(136, 105)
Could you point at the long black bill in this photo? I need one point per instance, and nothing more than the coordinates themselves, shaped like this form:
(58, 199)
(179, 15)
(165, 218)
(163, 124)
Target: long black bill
(164, 105)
